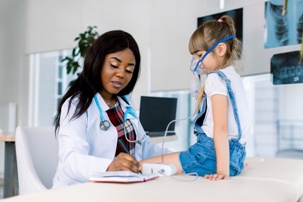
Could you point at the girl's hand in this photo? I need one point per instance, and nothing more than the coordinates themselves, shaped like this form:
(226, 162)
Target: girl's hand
(216, 177)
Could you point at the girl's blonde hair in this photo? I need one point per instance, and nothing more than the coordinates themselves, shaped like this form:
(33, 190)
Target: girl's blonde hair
(210, 32)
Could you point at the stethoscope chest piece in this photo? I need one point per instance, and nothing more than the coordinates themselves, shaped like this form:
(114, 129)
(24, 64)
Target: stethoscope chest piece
(104, 125)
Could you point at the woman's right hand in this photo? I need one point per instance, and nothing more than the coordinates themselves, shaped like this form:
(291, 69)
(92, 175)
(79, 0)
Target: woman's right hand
(124, 162)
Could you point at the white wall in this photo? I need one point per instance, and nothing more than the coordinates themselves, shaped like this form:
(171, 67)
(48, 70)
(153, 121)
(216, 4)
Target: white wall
(290, 96)
(53, 25)
(12, 36)
(161, 28)
(12, 22)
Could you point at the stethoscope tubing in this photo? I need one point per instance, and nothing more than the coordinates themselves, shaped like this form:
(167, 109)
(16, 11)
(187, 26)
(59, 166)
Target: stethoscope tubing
(105, 124)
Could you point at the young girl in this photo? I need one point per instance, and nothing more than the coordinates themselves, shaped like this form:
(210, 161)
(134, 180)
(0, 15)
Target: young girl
(222, 122)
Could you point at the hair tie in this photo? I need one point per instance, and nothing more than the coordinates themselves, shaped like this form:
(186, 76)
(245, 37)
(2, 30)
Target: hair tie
(220, 20)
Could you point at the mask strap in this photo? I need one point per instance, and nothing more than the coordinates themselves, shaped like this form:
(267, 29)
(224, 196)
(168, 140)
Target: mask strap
(212, 48)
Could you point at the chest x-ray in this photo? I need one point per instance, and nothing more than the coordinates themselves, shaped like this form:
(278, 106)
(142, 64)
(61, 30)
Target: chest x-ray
(283, 27)
(285, 68)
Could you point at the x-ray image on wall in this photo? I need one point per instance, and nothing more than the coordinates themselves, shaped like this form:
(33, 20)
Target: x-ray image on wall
(285, 68)
(283, 29)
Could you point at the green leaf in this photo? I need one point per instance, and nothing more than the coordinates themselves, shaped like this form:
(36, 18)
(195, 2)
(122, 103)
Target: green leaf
(68, 68)
(75, 67)
(74, 52)
(66, 58)
(84, 41)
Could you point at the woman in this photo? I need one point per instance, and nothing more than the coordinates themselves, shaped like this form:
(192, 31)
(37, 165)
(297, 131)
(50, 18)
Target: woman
(96, 127)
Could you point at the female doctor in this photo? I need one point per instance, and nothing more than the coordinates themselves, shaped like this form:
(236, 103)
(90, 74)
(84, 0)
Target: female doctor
(96, 126)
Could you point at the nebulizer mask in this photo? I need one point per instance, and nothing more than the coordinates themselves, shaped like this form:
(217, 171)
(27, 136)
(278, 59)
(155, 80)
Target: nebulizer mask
(198, 70)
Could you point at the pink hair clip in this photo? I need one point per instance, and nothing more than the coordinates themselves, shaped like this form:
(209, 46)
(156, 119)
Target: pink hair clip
(220, 20)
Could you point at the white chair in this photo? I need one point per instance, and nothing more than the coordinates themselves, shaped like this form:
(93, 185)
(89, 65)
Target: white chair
(37, 158)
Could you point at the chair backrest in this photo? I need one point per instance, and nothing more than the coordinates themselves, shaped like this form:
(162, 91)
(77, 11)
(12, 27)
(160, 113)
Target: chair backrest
(37, 158)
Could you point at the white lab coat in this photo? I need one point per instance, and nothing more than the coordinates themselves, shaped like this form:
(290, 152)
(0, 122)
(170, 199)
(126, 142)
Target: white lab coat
(85, 149)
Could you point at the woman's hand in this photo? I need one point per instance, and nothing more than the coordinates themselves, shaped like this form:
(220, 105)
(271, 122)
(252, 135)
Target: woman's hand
(216, 177)
(124, 162)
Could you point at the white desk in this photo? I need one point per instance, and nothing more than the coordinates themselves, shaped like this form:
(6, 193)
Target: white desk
(168, 189)
(271, 180)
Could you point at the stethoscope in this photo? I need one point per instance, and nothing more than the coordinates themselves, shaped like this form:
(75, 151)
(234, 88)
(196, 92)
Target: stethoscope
(105, 124)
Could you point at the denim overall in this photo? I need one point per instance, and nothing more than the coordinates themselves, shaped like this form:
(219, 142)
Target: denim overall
(201, 157)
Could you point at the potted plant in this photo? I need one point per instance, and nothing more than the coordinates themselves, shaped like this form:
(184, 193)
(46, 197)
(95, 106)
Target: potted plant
(84, 41)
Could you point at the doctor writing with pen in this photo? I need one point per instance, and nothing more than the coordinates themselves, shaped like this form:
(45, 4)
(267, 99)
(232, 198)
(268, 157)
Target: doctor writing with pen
(96, 126)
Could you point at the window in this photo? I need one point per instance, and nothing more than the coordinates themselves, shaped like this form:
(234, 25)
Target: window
(48, 83)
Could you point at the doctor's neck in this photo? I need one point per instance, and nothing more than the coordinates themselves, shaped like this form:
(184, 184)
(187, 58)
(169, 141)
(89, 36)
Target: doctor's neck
(109, 99)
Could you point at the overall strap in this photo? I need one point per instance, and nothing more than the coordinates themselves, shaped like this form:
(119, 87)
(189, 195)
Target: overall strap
(232, 99)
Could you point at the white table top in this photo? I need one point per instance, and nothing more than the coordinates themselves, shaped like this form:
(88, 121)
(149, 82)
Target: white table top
(267, 180)
(168, 189)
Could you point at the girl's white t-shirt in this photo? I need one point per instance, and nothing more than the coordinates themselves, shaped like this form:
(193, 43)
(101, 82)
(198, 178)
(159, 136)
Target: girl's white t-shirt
(215, 85)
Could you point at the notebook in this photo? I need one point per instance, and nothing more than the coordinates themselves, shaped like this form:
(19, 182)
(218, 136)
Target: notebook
(121, 177)
(156, 113)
